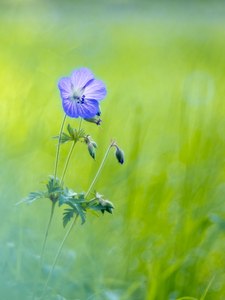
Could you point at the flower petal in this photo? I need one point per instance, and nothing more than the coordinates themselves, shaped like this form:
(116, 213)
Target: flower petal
(70, 108)
(65, 88)
(88, 109)
(81, 77)
(95, 90)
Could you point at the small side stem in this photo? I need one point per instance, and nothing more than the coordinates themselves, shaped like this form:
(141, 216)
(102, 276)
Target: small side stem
(58, 147)
(58, 253)
(67, 162)
(99, 169)
(69, 155)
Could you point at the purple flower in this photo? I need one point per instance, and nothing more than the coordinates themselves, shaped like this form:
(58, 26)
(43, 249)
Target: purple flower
(81, 94)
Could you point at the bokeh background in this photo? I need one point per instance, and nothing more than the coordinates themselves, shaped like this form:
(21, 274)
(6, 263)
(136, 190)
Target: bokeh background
(164, 66)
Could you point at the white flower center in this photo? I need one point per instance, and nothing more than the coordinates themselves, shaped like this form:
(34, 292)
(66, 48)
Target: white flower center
(77, 96)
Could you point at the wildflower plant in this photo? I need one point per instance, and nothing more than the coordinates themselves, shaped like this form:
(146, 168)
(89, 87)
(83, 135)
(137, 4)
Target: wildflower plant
(81, 95)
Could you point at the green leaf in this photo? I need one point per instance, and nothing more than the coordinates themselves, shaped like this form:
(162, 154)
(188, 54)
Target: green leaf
(72, 132)
(67, 216)
(64, 138)
(33, 196)
(78, 207)
(66, 196)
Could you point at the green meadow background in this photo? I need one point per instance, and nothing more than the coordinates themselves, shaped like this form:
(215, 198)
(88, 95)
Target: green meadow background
(164, 66)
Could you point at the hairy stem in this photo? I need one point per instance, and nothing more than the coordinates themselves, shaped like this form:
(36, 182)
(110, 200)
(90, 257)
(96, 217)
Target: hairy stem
(58, 148)
(58, 253)
(67, 161)
(69, 155)
(74, 221)
(47, 230)
(53, 203)
(99, 169)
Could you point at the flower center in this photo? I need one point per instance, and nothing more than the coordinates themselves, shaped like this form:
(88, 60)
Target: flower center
(78, 97)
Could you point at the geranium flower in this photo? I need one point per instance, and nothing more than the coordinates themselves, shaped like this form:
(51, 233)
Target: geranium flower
(81, 94)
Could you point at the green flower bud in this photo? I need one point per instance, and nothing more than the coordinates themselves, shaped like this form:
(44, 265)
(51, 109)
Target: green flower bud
(91, 149)
(94, 144)
(106, 205)
(119, 155)
(96, 120)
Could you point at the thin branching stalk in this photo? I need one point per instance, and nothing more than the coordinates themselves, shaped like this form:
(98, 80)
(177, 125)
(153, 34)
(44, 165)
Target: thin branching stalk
(70, 154)
(57, 254)
(53, 203)
(99, 169)
(67, 161)
(58, 148)
(74, 221)
(47, 230)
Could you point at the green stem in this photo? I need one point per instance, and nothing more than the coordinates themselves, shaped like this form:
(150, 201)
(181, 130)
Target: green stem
(47, 230)
(58, 147)
(69, 155)
(57, 254)
(53, 203)
(74, 221)
(99, 169)
(67, 162)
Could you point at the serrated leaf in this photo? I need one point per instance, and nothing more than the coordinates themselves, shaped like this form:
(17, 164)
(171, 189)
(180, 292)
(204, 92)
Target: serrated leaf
(33, 196)
(65, 138)
(71, 131)
(62, 199)
(80, 210)
(67, 216)
(53, 185)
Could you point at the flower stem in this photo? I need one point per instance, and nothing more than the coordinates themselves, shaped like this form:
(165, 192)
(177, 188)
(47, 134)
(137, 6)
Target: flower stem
(69, 155)
(58, 147)
(74, 221)
(67, 162)
(53, 203)
(47, 230)
(99, 169)
(58, 253)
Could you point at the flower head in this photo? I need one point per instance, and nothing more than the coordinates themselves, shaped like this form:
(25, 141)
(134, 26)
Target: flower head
(81, 94)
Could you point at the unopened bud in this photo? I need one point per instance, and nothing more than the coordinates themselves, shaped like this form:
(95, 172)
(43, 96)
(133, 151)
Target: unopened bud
(106, 206)
(119, 155)
(91, 149)
(96, 120)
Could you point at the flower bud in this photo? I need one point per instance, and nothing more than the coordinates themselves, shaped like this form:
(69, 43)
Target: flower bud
(96, 120)
(91, 149)
(119, 155)
(106, 205)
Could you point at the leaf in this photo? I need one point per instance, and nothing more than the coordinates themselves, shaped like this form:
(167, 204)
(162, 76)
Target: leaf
(53, 185)
(66, 196)
(33, 196)
(65, 138)
(79, 209)
(72, 132)
(67, 215)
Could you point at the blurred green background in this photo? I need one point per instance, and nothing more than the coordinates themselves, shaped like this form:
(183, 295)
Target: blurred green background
(164, 67)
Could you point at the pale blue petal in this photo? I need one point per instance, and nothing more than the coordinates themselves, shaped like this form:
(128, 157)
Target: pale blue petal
(88, 109)
(95, 90)
(70, 108)
(65, 88)
(81, 77)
